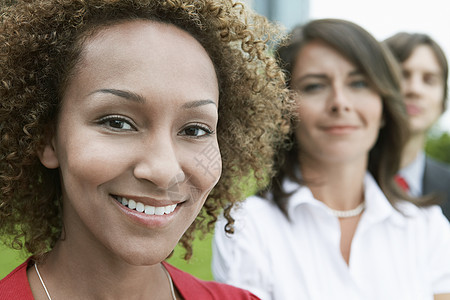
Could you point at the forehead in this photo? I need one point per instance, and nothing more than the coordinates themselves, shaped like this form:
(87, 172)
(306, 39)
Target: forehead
(423, 59)
(319, 56)
(142, 56)
(145, 40)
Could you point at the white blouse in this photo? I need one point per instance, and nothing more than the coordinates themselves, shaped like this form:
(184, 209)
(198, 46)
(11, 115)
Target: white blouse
(394, 255)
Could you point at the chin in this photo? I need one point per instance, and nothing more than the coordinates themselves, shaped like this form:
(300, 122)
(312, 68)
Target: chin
(146, 259)
(144, 255)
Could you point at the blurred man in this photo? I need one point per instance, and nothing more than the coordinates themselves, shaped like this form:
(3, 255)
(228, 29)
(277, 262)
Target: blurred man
(425, 72)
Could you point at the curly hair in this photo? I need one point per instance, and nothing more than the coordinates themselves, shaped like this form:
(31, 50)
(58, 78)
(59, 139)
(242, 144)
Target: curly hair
(40, 46)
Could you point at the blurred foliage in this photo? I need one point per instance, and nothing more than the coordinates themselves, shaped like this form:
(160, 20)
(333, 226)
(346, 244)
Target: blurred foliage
(200, 263)
(438, 147)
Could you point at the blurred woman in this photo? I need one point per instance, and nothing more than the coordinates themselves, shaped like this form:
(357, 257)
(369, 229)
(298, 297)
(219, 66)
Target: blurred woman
(333, 224)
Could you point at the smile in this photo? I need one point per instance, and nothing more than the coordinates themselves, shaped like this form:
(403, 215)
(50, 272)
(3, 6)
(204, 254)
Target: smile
(146, 209)
(344, 129)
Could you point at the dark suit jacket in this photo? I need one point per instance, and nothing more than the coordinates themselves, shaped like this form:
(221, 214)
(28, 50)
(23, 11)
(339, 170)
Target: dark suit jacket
(436, 179)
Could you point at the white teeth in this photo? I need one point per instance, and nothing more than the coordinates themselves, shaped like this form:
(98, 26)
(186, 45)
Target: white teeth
(147, 209)
(159, 210)
(140, 207)
(168, 209)
(131, 204)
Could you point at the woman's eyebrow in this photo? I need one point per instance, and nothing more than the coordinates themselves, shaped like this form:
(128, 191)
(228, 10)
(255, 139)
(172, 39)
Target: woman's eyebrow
(123, 94)
(138, 98)
(312, 75)
(196, 103)
(355, 72)
(300, 79)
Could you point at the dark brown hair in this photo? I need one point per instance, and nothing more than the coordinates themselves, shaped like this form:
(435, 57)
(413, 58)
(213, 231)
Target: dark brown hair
(403, 44)
(40, 46)
(383, 73)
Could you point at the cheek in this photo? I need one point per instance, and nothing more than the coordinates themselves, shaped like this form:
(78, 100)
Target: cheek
(373, 109)
(206, 167)
(204, 173)
(436, 103)
(90, 161)
(374, 117)
(307, 117)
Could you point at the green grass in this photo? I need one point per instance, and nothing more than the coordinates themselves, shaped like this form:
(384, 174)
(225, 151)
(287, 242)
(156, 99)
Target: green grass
(9, 260)
(199, 265)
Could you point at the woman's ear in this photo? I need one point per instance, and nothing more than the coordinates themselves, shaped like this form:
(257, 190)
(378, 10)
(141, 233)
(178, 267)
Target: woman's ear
(47, 154)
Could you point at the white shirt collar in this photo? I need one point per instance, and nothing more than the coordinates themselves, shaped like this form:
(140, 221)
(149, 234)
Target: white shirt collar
(413, 174)
(377, 207)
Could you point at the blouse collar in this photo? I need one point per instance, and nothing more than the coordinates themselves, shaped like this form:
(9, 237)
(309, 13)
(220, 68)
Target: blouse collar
(377, 206)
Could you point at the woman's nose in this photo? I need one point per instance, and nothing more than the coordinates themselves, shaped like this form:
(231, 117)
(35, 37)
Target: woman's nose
(159, 163)
(338, 100)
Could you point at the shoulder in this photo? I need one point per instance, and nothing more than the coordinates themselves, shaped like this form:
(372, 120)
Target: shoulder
(254, 206)
(426, 219)
(15, 285)
(431, 231)
(255, 215)
(253, 210)
(191, 287)
(437, 166)
(255, 202)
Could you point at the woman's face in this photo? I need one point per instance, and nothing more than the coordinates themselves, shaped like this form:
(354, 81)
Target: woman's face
(423, 88)
(339, 113)
(136, 141)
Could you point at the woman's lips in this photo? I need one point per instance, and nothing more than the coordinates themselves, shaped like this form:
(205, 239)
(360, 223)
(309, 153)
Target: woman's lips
(413, 110)
(340, 129)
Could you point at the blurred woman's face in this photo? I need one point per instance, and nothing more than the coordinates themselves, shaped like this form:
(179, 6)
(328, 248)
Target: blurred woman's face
(423, 89)
(339, 112)
(135, 142)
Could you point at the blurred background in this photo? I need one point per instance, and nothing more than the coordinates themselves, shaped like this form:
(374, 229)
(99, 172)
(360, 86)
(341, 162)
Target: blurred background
(382, 18)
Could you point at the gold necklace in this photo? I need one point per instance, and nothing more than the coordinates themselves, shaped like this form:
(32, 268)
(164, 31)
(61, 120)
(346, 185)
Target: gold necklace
(172, 290)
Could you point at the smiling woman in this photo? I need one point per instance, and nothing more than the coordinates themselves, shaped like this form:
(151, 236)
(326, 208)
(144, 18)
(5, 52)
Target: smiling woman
(121, 121)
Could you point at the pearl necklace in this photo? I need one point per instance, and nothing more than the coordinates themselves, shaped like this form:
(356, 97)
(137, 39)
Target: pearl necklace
(172, 291)
(348, 213)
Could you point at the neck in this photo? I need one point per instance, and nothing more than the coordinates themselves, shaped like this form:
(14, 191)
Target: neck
(66, 267)
(325, 179)
(413, 147)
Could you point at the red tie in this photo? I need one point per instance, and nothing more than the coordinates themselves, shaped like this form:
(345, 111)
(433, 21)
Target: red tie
(401, 182)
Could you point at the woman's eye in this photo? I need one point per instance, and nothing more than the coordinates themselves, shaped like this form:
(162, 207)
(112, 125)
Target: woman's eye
(431, 79)
(312, 87)
(196, 131)
(359, 84)
(116, 123)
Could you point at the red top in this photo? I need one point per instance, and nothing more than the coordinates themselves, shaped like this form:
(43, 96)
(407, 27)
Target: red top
(15, 286)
